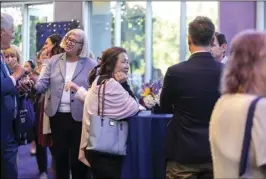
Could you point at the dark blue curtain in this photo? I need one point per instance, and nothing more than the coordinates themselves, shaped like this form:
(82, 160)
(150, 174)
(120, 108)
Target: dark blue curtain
(44, 30)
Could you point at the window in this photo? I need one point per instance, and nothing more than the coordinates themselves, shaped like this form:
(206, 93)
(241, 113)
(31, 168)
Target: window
(39, 13)
(101, 18)
(17, 15)
(209, 9)
(150, 31)
(133, 40)
(264, 15)
(166, 36)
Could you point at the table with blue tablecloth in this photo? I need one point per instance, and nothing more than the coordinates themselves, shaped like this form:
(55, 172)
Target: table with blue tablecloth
(146, 156)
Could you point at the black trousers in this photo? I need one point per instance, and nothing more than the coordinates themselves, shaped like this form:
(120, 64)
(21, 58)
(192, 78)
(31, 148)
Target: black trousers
(105, 165)
(41, 151)
(66, 134)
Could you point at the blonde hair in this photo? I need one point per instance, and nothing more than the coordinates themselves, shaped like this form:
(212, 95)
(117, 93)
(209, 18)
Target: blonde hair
(84, 51)
(244, 71)
(14, 50)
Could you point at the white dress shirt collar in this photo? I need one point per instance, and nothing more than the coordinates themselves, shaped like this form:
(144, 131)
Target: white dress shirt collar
(224, 60)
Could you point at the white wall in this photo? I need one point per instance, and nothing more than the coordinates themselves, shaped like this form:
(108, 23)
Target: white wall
(67, 10)
(260, 15)
(264, 15)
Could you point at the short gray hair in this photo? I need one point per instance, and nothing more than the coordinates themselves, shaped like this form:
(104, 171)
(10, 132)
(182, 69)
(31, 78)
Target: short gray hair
(84, 52)
(6, 21)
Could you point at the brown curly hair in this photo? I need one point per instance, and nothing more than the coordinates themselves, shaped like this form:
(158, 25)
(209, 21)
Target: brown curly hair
(245, 71)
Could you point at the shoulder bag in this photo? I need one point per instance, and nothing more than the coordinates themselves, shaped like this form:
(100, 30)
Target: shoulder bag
(105, 134)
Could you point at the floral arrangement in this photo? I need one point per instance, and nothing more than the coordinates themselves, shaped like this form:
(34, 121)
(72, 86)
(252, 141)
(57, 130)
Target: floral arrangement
(150, 96)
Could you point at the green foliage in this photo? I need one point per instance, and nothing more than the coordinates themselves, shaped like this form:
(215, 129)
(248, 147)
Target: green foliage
(18, 34)
(33, 22)
(165, 39)
(165, 44)
(133, 35)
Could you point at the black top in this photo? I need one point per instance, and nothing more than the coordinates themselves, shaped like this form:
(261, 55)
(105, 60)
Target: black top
(190, 91)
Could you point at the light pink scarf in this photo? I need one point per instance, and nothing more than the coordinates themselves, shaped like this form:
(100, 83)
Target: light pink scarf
(117, 104)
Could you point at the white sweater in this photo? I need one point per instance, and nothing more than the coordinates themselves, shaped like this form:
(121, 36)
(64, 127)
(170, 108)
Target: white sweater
(227, 128)
(65, 99)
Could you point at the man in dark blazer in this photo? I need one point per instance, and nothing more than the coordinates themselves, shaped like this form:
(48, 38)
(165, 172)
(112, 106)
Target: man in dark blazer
(9, 145)
(190, 91)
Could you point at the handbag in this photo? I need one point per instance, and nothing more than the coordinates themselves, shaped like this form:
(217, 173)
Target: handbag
(247, 137)
(105, 134)
(24, 120)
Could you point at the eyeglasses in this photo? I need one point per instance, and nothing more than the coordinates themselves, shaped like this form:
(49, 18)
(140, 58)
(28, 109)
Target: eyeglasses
(73, 41)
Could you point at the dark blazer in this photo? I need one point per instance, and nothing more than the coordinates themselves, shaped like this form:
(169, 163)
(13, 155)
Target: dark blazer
(8, 94)
(190, 91)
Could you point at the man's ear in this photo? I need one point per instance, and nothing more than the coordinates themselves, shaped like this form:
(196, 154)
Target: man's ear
(224, 47)
(189, 40)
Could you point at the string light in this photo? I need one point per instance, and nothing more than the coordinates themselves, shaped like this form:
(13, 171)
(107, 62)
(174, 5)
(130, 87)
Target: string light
(46, 29)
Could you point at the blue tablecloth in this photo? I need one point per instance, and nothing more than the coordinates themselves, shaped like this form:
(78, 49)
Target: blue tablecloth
(145, 157)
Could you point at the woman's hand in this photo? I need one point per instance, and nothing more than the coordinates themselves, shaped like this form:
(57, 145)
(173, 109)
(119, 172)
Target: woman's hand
(121, 77)
(71, 85)
(25, 84)
(45, 54)
(82, 157)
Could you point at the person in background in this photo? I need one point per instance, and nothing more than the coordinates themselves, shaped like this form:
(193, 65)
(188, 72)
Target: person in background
(41, 55)
(29, 66)
(12, 53)
(52, 45)
(190, 91)
(41, 152)
(219, 47)
(64, 111)
(43, 140)
(9, 143)
(243, 80)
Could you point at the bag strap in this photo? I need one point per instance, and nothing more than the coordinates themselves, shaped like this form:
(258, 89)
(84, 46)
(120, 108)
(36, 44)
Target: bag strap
(99, 99)
(247, 137)
(103, 83)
